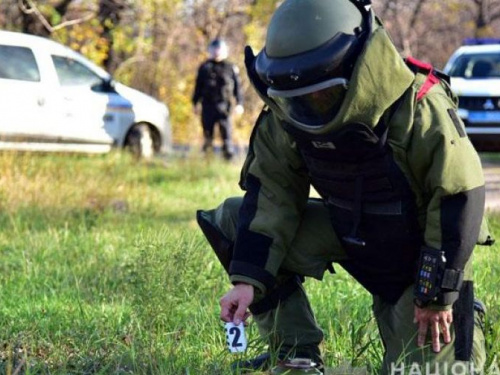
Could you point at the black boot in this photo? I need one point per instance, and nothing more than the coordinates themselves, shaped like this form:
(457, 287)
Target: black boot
(260, 363)
(263, 362)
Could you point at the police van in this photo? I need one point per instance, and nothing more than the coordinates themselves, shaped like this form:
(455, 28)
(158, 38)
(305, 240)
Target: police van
(54, 99)
(474, 69)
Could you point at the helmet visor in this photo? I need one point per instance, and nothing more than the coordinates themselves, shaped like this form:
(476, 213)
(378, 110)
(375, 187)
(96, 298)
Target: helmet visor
(314, 105)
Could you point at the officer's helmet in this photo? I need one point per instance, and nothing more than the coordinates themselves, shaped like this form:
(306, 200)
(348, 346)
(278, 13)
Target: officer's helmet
(310, 51)
(218, 50)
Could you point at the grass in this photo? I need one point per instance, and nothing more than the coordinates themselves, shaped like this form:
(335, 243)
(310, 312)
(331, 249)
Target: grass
(104, 271)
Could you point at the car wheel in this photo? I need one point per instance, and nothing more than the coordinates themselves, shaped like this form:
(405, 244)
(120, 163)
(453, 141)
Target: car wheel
(140, 141)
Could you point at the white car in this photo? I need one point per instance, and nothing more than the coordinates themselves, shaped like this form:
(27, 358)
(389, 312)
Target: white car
(475, 78)
(54, 99)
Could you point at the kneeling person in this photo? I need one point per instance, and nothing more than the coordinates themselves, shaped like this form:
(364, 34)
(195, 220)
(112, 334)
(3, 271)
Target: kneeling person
(402, 191)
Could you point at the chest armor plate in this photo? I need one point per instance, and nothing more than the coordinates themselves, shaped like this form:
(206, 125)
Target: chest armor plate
(371, 205)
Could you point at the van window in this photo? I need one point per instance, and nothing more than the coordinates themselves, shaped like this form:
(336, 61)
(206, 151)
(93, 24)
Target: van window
(18, 63)
(73, 73)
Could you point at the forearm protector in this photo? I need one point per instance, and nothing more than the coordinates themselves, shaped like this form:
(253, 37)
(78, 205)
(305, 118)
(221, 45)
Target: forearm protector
(440, 272)
(461, 217)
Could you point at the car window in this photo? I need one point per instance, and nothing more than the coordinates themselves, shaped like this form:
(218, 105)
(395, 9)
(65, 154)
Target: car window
(18, 63)
(476, 66)
(72, 73)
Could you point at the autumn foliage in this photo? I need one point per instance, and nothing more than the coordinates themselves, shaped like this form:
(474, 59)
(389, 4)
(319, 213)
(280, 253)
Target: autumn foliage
(157, 45)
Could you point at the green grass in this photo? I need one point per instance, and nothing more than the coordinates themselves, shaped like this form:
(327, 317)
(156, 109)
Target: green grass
(104, 271)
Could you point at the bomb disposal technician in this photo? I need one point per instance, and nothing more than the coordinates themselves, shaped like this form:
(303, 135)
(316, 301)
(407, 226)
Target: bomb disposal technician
(402, 192)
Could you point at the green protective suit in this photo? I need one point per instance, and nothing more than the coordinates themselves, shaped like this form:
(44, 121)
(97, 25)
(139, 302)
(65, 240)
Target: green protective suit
(276, 229)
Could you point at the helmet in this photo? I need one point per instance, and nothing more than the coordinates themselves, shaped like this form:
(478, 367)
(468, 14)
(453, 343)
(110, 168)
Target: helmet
(218, 50)
(311, 47)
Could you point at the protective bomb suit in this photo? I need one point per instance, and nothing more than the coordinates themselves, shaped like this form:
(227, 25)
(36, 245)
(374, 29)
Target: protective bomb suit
(401, 186)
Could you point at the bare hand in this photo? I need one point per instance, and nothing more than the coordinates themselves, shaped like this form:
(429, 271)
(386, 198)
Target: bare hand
(196, 109)
(439, 322)
(234, 304)
(239, 110)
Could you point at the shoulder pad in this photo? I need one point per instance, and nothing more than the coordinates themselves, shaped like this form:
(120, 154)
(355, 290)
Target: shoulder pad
(433, 76)
(418, 66)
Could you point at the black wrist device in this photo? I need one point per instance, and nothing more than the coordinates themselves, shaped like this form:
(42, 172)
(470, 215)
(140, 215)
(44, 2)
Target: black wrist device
(431, 267)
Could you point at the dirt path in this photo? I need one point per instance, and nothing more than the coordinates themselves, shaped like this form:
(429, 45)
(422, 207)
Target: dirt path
(492, 177)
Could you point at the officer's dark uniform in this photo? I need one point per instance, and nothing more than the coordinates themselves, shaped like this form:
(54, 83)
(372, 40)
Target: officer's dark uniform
(216, 83)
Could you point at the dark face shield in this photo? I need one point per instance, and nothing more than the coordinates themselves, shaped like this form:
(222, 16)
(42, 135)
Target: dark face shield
(312, 106)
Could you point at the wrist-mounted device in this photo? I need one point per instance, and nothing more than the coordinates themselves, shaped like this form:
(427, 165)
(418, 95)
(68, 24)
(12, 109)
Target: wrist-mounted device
(434, 279)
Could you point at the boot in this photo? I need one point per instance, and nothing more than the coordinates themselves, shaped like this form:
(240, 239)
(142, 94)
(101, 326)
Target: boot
(265, 361)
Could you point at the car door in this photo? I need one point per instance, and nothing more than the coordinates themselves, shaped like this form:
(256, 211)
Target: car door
(24, 115)
(84, 105)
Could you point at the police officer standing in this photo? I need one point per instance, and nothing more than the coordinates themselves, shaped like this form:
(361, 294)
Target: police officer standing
(217, 83)
(402, 193)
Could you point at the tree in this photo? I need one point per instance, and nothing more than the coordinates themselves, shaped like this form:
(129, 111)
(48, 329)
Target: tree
(110, 15)
(43, 20)
(157, 45)
(433, 29)
(484, 13)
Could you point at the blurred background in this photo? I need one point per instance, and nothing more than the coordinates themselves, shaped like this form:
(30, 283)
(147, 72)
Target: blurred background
(156, 45)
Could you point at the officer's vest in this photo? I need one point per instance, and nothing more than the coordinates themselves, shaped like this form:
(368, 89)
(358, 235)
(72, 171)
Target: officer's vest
(219, 83)
(372, 207)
